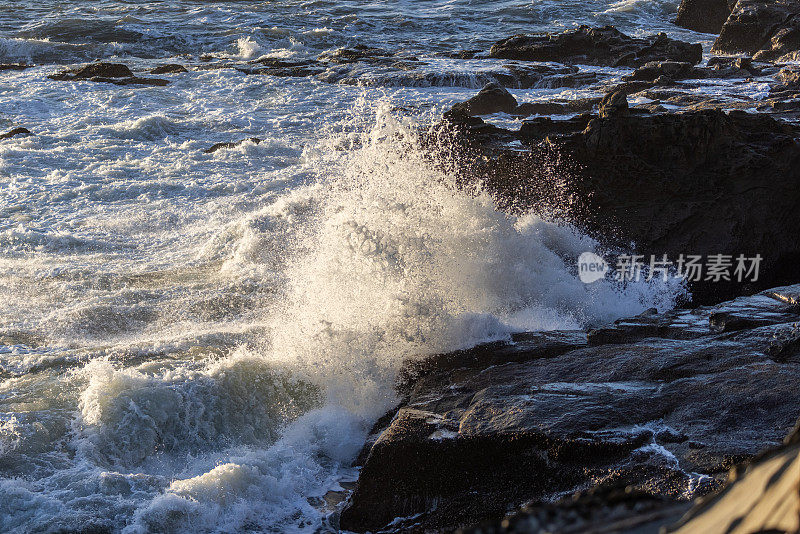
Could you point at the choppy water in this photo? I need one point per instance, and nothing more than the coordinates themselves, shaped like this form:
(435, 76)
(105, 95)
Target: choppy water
(198, 342)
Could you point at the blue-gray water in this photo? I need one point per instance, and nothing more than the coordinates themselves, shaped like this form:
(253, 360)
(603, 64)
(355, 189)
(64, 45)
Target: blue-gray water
(196, 342)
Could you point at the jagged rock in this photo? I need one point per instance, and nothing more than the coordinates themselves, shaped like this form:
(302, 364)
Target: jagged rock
(114, 73)
(655, 420)
(769, 30)
(596, 46)
(171, 68)
(220, 146)
(15, 132)
(726, 183)
(706, 16)
(614, 105)
(493, 98)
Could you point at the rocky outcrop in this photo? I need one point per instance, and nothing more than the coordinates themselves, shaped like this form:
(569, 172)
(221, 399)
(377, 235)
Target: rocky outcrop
(706, 16)
(114, 73)
(725, 183)
(769, 30)
(596, 46)
(15, 132)
(493, 98)
(658, 407)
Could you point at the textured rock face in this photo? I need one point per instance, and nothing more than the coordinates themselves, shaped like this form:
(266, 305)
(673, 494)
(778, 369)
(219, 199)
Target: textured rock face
(491, 99)
(770, 30)
(702, 182)
(664, 406)
(596, 46)
(706, 16)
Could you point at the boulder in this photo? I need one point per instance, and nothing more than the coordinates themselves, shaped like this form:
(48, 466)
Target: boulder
(493, 98)
(614, 105)
(657, 417)
(605, 46)
(769, 30)
(705, 16)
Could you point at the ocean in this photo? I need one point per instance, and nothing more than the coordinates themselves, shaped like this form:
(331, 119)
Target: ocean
(200, 342)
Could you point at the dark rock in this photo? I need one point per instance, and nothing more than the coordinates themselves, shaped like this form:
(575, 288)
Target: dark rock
(464, 54)
(104, 70)
(673, 69)
(493, 98)
(352, 55)
(284, 68)
(14, 66)
(653, 420)
(614, 105)
(596, 46)
(769, 30)
(15, 132)
(220, 146)
(114, 73)
(557, 107)
(705, 16)
(170, 68)
(725, 183)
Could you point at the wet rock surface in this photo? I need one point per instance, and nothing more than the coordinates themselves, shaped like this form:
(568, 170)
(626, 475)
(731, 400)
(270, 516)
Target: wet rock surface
(114, 73)
(596, 46)
(638, 422)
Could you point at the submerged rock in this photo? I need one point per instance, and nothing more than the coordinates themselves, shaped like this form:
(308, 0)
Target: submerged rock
(114, 73)
(705, 16)
(769, 30)
(15, 132)
(14, 66)
(596, 46)
(352, 55)
(655, 420)
(220, 146)
(171, 68)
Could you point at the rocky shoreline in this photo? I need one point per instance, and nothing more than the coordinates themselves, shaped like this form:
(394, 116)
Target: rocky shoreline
(620, 428)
